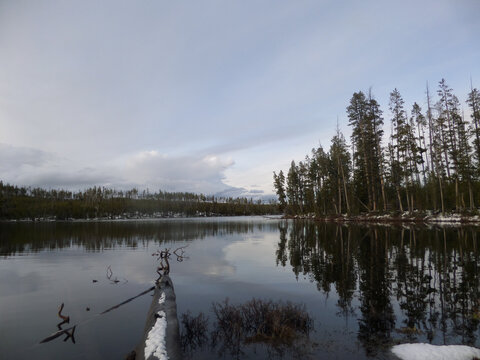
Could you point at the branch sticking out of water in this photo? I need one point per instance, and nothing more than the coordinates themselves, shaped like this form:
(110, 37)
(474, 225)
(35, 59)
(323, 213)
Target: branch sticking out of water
(66, 319)
(164, 256)
(128, 300)
(71, 330)
(110, 274)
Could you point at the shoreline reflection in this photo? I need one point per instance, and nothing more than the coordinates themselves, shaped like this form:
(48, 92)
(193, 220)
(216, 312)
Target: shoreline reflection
(403, 284)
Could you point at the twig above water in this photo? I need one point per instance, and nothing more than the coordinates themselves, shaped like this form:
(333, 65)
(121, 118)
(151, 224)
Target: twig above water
(164, 256)
(71, 330)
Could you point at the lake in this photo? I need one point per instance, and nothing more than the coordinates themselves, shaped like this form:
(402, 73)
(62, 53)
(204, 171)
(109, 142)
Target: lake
(365, 288)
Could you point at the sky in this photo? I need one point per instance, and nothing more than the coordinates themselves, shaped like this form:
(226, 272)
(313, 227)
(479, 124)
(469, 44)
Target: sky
(208, 96)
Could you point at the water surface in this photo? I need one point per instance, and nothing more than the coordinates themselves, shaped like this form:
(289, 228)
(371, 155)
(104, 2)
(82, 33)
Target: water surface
(365, 287)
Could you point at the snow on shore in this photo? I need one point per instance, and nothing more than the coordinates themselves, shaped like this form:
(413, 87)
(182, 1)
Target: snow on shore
(405, 217)
(435, 352)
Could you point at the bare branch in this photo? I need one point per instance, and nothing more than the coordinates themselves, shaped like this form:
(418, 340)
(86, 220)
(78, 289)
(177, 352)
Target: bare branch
(65, 319)
(164, 255)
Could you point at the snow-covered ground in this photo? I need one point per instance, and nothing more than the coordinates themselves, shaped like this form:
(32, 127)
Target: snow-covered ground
(405, 217)
(435, 352)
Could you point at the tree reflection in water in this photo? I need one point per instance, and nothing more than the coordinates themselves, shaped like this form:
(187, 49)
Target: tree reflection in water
(411, 283)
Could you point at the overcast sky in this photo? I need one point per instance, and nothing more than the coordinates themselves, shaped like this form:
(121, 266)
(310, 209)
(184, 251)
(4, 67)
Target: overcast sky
(208, 96)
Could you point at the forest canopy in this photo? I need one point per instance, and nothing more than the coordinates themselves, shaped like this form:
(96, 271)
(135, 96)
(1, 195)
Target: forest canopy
(100, 202)
(430, 160)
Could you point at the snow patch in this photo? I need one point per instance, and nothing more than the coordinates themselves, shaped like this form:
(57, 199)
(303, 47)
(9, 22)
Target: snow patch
(162, 298)
(435, 352)
(155, 343)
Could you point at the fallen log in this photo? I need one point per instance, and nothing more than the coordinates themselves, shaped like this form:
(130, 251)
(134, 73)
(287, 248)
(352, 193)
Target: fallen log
(161, 339)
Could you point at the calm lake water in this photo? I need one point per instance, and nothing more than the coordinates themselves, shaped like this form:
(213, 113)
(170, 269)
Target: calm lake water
(365, 287)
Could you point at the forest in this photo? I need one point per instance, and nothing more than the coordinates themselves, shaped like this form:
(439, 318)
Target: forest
(99, 202)
(428, 161)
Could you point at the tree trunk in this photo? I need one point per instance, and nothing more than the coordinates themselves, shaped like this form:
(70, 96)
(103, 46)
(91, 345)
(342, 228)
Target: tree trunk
(470, 195)
(441, 195)
(399, 198)
(345, 190)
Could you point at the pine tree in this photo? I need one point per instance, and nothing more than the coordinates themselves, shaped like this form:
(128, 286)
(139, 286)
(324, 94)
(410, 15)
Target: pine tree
(366, 130)
(399, 145)
(341, 164)
(465, 169)
(448, 108)
(473, 102)
(375, 117)
(305, 187)
(437, 172)
(279, 185)
(293, 188)
(319, 175)
(418, 120)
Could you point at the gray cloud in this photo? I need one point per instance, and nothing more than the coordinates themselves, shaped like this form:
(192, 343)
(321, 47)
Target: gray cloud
(146, 169)
(34, 167)
(187, 173)
(11, 157)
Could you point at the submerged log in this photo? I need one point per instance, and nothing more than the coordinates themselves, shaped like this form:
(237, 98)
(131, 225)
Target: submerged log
(161, 339)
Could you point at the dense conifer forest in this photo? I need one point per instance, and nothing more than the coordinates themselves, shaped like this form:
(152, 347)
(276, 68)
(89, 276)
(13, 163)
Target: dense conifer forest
(419, 160)
(99, 202)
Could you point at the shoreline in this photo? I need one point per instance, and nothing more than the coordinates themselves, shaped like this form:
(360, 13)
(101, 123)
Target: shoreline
(387, 219)
(134, 218)
(379, 219)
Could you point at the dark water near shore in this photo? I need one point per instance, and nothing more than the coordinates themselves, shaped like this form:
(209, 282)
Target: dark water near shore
(366, 287)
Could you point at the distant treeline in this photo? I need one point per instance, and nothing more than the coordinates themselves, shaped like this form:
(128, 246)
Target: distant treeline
(430, 161)
(100, 202)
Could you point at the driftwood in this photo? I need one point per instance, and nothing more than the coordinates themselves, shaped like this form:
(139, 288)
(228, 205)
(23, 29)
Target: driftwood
(127, 301)
(109, 276)
(66, 319)
(163, 285)
(169, 307)
(71, 330)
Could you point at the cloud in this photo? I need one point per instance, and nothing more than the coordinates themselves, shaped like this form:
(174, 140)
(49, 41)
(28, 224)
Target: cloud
(144, 169)
(34, 167)
(174, 173)
(13, 156)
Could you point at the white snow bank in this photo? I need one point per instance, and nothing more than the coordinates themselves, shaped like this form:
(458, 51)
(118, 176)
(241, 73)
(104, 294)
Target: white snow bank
(435, 352)
(155, 343)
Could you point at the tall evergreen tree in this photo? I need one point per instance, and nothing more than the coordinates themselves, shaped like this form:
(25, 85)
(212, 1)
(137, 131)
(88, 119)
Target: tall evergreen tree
(366, 127)
(400, 146)
(457, 148)
(473, 102)
(319, 176)
(293, 188)
(340, 171)
(419, 120)
(279, 185)
(374, 115)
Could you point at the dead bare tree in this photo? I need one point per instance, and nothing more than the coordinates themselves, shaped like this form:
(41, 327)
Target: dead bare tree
(164, 256)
